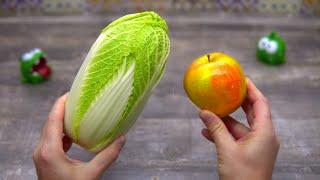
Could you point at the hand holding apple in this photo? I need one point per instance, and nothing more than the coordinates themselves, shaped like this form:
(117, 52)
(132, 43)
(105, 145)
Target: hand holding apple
(216, 82)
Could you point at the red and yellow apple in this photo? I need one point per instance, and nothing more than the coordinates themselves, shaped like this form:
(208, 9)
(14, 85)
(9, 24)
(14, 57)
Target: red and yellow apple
(216, 82)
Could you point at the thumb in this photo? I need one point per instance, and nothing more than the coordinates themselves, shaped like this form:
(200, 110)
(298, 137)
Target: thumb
(107, 156)
(217, 129)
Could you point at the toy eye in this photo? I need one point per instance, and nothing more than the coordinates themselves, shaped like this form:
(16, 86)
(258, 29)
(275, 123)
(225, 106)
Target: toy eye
(36, 50)
(272, 47)
(263, 43)
(27, 56)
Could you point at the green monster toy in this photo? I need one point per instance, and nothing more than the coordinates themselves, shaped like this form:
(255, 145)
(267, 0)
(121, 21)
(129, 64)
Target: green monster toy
(271, 49)
(34, 68)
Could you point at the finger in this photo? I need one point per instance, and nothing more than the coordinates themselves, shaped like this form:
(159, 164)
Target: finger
(53, 127)
(107, 156)
(247, 105)
(67, 143)
(218, 131)
(206, 133)
(237, 129)
(256, 107)
(247, 108)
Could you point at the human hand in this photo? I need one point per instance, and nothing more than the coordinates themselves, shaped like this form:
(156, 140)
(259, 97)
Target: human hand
(244, 152)
(51, 161)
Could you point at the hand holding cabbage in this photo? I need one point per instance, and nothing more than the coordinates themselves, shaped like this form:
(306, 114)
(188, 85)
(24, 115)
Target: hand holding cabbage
(116, 78)
(51, 160)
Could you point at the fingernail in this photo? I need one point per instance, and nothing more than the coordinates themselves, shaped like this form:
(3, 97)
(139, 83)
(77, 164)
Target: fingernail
(121, 140)
(206, 117)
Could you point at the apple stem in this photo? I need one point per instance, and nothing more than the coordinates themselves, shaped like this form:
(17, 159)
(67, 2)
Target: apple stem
(210, 58)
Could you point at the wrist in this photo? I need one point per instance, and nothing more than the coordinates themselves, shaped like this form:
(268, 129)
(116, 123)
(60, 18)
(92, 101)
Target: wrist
(260, 176)
(252, 174)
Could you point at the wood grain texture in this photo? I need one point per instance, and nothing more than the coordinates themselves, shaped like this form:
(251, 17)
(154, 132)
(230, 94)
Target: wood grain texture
(165, 143)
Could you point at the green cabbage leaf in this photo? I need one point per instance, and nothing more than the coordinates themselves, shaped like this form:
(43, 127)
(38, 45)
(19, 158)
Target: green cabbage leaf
(116, 79)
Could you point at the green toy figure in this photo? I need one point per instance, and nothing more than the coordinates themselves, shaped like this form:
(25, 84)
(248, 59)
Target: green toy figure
(34, 68)
(271, 49)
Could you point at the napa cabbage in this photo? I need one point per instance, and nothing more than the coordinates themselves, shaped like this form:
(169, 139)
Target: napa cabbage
(116, 79)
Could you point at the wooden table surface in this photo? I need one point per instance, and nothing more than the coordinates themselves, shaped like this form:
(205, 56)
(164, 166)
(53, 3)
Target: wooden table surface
(165, 143)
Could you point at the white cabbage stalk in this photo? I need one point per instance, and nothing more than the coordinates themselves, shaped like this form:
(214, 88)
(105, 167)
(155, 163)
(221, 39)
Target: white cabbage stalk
(116, 78)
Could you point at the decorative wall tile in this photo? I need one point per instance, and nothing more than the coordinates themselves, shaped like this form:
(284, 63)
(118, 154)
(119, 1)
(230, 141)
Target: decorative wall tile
(20, 7)
(279, 6)
(63, 6)
(182, 5)
(101, 5)
(310, 7)
(193, 5)
(237, 5)
(127, 5)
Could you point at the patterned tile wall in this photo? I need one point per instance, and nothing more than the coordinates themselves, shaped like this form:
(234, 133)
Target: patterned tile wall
(39, 7)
